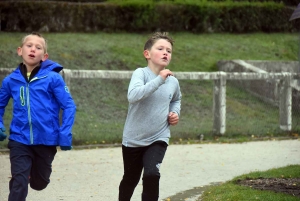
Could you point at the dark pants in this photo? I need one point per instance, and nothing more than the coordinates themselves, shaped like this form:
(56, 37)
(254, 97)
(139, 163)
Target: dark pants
(29, 164)
(136, 159)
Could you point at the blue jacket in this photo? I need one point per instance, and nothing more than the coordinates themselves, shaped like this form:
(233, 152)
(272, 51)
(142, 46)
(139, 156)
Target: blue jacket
(36, 106)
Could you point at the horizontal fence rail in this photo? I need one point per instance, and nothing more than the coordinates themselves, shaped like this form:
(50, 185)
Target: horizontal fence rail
(113, 74)
(286, 82)
(233, 76)
(110, 74)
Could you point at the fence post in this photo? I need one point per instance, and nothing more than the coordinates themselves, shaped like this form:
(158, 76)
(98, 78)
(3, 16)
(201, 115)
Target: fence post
(219, 105)
(285, 104)
(66, 74)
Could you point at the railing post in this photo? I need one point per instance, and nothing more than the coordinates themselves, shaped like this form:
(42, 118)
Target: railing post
(66, 74)
(219, 105)
(285, 104)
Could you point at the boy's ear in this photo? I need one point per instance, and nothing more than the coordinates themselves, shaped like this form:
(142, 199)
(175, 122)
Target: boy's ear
(45, 57)
(19, 51)
(146, 54)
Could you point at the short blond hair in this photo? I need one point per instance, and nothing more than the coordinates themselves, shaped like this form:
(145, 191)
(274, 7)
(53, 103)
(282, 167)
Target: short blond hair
(35, 34)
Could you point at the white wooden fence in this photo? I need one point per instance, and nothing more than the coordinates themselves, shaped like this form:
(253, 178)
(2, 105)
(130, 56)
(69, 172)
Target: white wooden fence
(219, 99)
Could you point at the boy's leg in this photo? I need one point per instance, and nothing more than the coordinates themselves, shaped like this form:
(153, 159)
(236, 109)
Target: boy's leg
(133, 166)
(152, 160)
(41, 166)
(20, 159)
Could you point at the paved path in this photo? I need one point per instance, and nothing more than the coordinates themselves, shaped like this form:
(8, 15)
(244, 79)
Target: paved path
(94, 174)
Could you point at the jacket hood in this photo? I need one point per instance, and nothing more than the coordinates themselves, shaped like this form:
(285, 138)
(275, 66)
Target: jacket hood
(49, 65)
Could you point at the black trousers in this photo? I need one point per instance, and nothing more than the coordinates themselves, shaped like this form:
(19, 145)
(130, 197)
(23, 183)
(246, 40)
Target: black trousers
(137, 159)
(29, 164)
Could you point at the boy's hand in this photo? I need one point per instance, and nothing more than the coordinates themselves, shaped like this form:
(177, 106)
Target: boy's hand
(165, 73)
(66, 148)
(173, 118)
(2, 134)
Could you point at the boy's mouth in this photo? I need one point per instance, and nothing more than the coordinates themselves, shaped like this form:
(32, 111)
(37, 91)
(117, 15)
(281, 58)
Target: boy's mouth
(165, 58)
(31, 55)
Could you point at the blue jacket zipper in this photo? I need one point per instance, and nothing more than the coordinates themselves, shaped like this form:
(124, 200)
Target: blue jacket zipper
(28, 108)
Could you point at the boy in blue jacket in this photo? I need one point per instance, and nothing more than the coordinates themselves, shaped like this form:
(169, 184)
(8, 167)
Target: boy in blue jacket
(38, 92)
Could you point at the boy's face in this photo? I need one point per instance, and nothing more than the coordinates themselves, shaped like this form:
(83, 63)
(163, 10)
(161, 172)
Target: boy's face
(33, 51)
(160, 54)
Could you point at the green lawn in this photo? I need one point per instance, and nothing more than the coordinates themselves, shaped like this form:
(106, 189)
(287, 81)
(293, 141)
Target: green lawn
(231, 191)
(123, 51)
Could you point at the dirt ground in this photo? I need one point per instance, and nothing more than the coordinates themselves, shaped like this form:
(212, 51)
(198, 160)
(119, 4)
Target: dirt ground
(289, 186)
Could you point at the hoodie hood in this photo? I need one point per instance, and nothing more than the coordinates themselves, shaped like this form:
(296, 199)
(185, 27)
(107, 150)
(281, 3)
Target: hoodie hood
(44, 69)
(49, 65)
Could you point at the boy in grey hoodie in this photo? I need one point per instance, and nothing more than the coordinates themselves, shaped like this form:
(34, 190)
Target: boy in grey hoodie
(154, 104)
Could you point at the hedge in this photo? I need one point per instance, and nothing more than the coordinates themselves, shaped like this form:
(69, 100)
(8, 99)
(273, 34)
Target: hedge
(145, 16)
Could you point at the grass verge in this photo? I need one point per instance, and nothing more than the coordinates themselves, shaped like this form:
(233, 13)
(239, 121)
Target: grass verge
(231, 191)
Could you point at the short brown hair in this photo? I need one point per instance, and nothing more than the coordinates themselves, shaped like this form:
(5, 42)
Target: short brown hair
(156, 36)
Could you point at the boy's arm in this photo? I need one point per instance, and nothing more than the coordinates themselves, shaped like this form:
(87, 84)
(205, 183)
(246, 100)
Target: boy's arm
(138, 89)
(175, 104)
(5, 95)
(4, 99)
(67, 104)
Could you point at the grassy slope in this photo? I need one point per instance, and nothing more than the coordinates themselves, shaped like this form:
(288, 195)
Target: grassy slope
(102, 104)
(121, 51)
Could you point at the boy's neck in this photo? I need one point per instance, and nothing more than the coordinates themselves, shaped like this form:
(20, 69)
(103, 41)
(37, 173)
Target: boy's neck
(155, 69)
(30, 68)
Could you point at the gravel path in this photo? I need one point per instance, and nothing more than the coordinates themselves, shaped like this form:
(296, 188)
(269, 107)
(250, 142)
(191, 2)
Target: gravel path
(94, 174)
